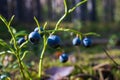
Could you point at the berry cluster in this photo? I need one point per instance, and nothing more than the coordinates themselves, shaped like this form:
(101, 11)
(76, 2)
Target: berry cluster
(54, 41)
(86, 41)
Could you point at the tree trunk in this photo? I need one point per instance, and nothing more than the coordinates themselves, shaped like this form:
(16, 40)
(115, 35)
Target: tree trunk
(109, 10)
(49, 5)
(69, 17)
(39, 10)
(12, 8)
(80, 13)
(20, 10)
(91, 6)
(36, 9)
(4, 8)
(58, 9)
(28, 13)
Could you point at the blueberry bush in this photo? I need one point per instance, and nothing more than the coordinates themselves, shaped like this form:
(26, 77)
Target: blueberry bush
(40, 35)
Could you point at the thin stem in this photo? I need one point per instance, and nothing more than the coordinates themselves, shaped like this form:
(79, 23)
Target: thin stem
(36, 21)
(17, 49)
(106, 52)
(77, 5)
(24, 54)
(61, 19)
(9, 29)
(45, 25)
(26, 69)
(38, 25)
(21, 67)
(70, 30)
(41, 57)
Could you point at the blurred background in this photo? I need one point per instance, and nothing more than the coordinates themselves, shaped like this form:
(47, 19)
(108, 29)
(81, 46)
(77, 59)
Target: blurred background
(99, 16)
(93, 10)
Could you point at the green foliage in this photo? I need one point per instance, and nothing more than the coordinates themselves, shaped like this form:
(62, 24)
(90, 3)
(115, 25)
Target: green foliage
(17, 50)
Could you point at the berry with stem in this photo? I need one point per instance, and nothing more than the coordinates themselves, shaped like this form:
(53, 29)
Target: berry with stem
(87, 42)
(76, 41)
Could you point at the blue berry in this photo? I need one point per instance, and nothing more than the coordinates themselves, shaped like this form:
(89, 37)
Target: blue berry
(54, 41)
(87, 42)
(63, 58)
(76, 41)
(34, 37)
(21, 40)
(37, 30)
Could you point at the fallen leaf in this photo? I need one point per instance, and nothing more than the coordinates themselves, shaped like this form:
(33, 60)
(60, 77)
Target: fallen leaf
(58, 73)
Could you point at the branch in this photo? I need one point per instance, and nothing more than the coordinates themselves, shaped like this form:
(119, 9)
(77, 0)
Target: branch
(106, 52)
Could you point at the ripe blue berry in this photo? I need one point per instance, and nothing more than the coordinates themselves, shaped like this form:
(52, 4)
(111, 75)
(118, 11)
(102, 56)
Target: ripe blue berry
(34, 37)
(54, 41)
(37, 30)
(21, 40)
(87, 42)
(63, 57)
(76, 41)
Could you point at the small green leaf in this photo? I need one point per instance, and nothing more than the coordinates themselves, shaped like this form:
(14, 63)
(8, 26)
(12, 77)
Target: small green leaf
(91, 33)
(3, 19)
(20, 33)
(4, 44)
(13, 30)
(3, 52)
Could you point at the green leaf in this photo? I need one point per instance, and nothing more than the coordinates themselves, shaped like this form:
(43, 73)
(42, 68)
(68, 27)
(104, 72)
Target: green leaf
(4, 44)
(4, 52)
(20, 33)
(91, 33)
(13, 30)
(3, 19)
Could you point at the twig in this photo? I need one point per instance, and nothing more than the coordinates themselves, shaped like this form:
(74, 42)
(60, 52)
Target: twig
(106, 52)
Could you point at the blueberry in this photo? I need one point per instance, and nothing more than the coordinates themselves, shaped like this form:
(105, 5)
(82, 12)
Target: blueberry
(63, 58)
(34, 37)
(21, 40)
(54, 41)
(76, 41)
(87, 42)
(37, 30)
